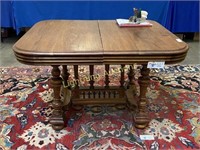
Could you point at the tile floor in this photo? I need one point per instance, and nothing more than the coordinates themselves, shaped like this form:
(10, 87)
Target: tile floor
(7, 57)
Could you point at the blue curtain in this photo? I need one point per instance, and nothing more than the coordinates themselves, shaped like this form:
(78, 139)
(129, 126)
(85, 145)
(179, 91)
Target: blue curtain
(177, 16)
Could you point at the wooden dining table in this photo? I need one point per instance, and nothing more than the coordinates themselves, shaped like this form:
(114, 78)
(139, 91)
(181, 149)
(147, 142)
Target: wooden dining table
(74, 43)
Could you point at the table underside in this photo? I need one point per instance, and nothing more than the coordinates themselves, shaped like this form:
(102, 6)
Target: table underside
(119, 96)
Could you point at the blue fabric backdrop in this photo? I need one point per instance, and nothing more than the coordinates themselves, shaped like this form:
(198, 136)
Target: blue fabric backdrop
(184, 16)
(177, 16)
(7, 18)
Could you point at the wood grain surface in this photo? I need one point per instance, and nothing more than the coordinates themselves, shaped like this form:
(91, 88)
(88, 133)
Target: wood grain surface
(61, 42)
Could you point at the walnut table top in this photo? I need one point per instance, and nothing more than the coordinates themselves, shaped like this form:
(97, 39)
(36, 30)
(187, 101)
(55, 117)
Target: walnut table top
(61, 42)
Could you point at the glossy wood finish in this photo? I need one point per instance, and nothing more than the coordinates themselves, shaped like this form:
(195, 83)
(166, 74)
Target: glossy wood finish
(75, 42)
(60, 42)
(140, 45)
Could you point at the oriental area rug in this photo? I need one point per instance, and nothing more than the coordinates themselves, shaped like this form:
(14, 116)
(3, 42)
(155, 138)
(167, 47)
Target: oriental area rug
(174, 110)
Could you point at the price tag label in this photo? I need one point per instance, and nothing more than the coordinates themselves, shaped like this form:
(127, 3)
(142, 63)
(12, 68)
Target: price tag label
(146, 137)
(156, 65)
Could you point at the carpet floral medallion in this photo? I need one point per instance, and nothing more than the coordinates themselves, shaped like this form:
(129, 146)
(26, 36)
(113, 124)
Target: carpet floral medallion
(174, 110)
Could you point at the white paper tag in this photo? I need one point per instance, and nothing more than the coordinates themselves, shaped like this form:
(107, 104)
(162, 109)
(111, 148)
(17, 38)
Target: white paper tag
(146, 137)
(156, 65)
(179, 40)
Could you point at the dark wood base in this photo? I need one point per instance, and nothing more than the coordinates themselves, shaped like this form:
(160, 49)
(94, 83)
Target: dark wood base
(116, 96)
(141, 120)
(141, 117)
(57, 118)
(57, 122)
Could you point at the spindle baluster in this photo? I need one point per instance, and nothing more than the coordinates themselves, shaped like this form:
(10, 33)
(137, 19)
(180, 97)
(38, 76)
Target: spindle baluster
(107, 75)
(91, 76)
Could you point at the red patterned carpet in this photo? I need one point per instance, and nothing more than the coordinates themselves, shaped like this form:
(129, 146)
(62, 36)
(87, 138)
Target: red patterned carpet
(174, 107)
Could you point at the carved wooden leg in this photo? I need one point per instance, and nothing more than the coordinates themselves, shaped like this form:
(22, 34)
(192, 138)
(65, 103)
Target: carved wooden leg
(131, 77)
(66, 90)
(122, 76)
(56, 119)
(91, 76)
(65, 74)
(107, 75)
(132, 90)
(141, 117)
(121, 92)
(76, 88)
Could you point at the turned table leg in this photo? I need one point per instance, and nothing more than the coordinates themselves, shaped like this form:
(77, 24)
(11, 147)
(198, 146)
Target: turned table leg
(66, 91)
(56, 119)
(141, 117)
(131, 89)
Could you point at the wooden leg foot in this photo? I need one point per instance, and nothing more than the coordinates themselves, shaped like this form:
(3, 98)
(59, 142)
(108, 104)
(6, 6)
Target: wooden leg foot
(57, 123)
(141, 120)
(57, 127)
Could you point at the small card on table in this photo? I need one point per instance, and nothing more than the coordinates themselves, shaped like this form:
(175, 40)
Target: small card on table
(127, 23)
